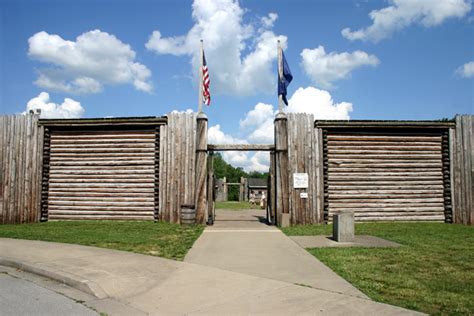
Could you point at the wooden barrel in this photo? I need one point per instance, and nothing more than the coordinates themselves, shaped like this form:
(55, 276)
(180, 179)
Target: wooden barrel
(188, 214)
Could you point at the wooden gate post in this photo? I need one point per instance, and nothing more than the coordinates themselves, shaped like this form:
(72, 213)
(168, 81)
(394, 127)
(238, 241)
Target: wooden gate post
(281, 168)
(201, 169)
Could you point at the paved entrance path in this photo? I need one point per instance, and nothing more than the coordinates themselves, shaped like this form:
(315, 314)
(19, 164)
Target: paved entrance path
(240, 241)
(123, 283)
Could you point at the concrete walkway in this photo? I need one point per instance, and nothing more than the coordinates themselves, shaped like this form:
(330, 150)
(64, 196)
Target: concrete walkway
(240, 241)
(122, 283)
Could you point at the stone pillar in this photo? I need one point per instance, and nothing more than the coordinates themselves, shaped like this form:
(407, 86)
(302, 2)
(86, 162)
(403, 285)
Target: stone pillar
(281, 166)
(201, 169)
(343, 226)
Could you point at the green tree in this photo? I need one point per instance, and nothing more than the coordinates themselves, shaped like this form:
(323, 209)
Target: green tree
(233, 174)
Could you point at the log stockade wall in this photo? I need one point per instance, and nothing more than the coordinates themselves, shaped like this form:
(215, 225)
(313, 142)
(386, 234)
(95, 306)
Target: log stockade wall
(462, 152)
(21, 144)
(177, 165)
(380, 170)
(101, 169)
(387, 170)
(147, 169)
(304, 156)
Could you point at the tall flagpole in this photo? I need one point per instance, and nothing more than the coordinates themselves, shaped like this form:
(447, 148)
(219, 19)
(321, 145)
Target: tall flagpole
(280, 75)
(200, 78)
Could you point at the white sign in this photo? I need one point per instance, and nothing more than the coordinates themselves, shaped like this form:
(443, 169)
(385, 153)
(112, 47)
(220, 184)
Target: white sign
(300, 180)
(304, 195)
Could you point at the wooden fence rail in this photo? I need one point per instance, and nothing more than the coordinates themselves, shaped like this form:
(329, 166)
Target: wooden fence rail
(21, 145)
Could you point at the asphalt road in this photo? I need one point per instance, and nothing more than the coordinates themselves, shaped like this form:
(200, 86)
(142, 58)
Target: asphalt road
(20, 297)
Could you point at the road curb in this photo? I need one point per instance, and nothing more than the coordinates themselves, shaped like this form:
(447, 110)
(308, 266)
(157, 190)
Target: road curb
(73, 281)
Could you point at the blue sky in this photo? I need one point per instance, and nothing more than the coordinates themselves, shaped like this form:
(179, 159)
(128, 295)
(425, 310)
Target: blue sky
(400, 59)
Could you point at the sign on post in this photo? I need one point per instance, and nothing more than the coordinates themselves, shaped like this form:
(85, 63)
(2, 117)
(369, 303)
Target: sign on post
(300, 180)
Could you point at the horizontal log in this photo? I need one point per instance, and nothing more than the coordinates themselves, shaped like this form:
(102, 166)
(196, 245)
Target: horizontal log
(240, 147)
(392, 186)
(101, 172)
(384, 191)
(98, 169)
(100, 185)
(58, 147)
(387, 183)
(384, 138)
(375, 204)
(98, 180)
(398, 216)
(381, 143)
(148, 157)
(100, 176)
(101, 198)
(389, 163)
(388, 201)
(137, 140)
(100, 208)
(338, 178)
(103, 134)
(100, 150)
(100, 217)
(371, 168)
(386, 148)
(387, 173)
(376, 158)
(114, 213)
(140, 192)
(382, 151)
(382, 210)
(384, 196)
(111, 154)
(127, 204)
(102, 163)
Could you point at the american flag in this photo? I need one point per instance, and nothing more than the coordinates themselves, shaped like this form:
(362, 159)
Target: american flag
(206, 95)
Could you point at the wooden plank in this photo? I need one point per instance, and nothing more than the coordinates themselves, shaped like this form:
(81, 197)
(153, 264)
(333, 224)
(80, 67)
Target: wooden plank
(240, 147)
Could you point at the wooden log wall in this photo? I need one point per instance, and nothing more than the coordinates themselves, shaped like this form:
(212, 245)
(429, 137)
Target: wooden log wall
(384, 174)
(101, 173)
(21, 143)
(305, 156)
(463, 170)
(177, 165)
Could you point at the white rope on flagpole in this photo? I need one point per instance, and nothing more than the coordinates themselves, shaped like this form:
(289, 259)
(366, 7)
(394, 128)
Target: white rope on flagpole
(200, 79)
(280, 75)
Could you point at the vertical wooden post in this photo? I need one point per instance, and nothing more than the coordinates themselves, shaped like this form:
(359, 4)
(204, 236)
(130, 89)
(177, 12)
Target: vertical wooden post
(210, 190)
(281, 164)
(201, 168)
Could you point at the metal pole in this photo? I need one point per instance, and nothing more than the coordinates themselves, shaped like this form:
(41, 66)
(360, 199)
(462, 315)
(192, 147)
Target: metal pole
(280, 76)
(200, 79)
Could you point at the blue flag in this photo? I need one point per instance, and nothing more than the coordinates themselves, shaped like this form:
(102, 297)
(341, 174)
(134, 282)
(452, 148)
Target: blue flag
(285, 80)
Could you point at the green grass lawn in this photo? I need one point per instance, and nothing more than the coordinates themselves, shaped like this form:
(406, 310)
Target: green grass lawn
(234, 205)
(166, 240)
(433, 272)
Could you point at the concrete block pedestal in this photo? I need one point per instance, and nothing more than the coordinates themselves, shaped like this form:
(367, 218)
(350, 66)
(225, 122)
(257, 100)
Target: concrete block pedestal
(343, 227)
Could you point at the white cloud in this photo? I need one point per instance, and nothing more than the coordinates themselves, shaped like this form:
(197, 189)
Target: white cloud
(258, 123)
(216, 136)
(226, 39)
(319, 103)
(68, 109)
(466, 70)
(325, 68)
(402, 13)
(236, 158)
(85, 65)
